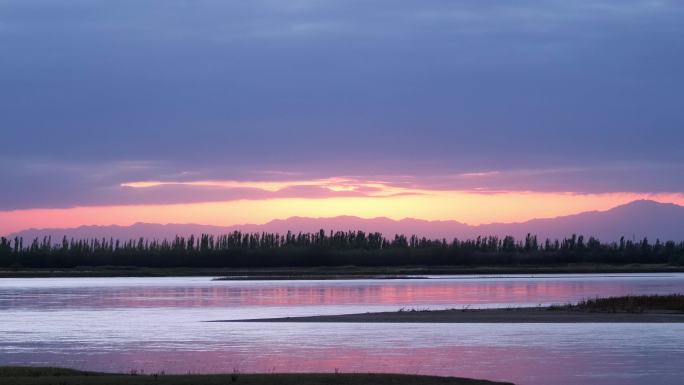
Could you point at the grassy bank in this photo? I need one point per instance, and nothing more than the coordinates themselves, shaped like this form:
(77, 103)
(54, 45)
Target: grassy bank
(58, 376)
(631, 309)
(340, 272)
(627, 304)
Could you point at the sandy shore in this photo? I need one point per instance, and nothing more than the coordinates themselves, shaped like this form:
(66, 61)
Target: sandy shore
(513, 315)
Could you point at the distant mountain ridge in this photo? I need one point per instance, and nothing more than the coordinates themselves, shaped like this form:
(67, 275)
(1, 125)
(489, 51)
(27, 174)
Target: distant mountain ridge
(637, 219)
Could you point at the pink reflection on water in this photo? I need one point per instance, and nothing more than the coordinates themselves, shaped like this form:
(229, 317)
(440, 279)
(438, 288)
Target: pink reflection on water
(518, 364)
(289, 293)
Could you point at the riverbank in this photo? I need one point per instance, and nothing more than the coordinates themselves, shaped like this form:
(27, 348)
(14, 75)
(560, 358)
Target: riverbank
(629, 309)
(513, 315)
(337, 272)
(45, 376)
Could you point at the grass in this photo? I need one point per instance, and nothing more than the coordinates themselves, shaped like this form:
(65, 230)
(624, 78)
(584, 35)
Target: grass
(29, 371)
(628, 304)
(13, 375)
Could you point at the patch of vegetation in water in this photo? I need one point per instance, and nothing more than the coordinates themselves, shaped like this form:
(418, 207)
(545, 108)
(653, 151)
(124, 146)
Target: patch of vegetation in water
(628, 304)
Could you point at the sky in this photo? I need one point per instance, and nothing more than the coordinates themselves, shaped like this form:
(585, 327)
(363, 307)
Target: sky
(228, 112)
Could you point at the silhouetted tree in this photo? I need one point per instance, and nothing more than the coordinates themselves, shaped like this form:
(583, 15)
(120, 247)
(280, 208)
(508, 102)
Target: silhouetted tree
(239, 249)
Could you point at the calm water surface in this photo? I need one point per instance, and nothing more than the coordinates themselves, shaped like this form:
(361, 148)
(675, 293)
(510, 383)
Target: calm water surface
(119, 324)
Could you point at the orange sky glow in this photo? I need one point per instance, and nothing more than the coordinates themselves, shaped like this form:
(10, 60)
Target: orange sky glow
(465, 206)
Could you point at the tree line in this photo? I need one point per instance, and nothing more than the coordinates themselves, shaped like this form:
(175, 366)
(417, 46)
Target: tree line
(340, 248)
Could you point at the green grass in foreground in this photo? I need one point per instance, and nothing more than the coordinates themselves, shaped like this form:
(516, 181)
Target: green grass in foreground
(628, 304)
(15, 375)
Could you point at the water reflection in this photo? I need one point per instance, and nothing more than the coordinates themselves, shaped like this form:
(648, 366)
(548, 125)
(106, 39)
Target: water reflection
(527, 354)
(202, 292)
(155, 324)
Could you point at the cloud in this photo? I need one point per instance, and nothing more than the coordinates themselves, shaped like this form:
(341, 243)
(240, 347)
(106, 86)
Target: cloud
(40, 184)
(538, 95)
(164, 192)
(640, 177)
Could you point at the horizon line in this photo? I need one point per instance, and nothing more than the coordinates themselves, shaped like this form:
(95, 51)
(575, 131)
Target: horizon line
(237, 226)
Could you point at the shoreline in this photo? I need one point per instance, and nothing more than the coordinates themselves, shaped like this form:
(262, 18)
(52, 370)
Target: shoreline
(499, 315)
(334, 272)
(25, 375)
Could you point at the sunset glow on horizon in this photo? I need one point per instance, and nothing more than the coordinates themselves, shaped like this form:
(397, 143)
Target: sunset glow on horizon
(468, 207)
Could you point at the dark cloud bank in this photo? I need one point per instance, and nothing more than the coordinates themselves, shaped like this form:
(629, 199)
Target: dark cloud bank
(580, 95)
